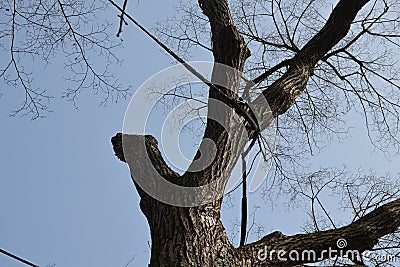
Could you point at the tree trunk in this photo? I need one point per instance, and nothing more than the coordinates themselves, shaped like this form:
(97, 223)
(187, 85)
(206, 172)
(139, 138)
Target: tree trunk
(195, 236)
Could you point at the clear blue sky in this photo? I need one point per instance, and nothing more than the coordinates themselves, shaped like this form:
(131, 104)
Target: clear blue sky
(66, 198)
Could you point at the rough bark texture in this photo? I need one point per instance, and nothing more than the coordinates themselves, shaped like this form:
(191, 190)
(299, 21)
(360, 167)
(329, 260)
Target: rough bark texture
(195, 236)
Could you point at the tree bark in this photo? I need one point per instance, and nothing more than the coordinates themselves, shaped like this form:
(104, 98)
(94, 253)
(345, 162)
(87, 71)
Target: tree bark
(195, 236)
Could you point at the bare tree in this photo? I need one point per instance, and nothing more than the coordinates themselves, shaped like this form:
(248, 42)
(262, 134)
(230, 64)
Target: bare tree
(313, 64)
(310, 61)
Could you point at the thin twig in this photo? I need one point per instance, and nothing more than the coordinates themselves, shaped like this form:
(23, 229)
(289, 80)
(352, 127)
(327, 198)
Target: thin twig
(122, 20)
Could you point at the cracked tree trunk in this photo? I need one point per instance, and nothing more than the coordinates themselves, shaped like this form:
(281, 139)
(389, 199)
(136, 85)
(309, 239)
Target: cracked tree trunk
(195, 236)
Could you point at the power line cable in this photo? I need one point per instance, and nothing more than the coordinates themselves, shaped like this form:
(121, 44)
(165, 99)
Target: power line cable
(17, 258)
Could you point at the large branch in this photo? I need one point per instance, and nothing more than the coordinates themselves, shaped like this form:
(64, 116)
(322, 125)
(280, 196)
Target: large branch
(229, 49)
(283, 92)
(228, 45)
(361, 235)
(148, 169)
(142, 147)
(334, 30)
